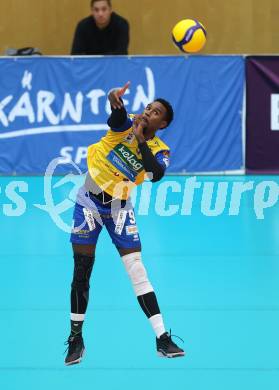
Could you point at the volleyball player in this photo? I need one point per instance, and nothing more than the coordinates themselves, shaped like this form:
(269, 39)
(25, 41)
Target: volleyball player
(118, 162)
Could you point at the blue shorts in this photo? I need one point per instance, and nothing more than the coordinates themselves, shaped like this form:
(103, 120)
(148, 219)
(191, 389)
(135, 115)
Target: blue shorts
(87, 226)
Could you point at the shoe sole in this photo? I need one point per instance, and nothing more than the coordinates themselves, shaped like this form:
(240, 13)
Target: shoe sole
(77, 361)
(170, 355)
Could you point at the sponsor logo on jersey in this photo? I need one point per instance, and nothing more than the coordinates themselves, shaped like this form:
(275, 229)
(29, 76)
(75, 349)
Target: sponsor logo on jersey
(121, 166)
(129, 157)
(125, 161)
(131, 230)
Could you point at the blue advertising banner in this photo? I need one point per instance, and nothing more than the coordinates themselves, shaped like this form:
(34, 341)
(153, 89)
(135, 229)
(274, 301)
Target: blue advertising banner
(56, 107)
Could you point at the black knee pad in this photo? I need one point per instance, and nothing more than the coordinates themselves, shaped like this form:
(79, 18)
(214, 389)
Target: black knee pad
(82, 271)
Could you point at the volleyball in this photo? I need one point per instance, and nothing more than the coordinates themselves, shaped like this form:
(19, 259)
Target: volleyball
(189, 35)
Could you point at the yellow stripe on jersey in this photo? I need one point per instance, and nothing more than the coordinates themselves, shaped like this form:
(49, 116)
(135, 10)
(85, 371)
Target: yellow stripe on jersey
(115, 164)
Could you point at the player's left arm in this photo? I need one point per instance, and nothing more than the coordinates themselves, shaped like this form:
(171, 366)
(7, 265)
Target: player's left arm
(154, 165)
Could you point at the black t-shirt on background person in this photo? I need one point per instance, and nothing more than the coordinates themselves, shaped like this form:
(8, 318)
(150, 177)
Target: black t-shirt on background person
(91, 40)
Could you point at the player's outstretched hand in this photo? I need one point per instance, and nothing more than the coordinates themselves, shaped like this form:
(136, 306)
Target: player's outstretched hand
(115, 94)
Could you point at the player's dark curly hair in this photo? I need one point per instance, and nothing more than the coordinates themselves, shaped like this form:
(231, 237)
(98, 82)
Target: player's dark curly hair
(169, 109)
(95, 1)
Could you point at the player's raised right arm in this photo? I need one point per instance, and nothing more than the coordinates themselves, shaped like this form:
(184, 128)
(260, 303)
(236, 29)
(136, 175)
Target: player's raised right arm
(114, 96)
(118, 120)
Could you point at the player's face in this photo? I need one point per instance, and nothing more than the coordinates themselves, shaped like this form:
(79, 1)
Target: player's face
(154, 116)
(101, 12)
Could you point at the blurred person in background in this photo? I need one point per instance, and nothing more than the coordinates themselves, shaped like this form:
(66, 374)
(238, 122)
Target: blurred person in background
(102, 33)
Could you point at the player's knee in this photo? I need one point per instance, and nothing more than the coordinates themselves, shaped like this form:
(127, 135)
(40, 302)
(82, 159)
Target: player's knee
(137, 273)
(82, 271)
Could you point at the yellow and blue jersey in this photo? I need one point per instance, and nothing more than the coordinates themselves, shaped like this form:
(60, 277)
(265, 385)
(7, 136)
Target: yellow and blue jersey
(116, 159)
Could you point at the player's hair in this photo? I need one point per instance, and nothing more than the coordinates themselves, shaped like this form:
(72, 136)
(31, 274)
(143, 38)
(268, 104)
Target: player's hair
(95, 1)
(169, 109)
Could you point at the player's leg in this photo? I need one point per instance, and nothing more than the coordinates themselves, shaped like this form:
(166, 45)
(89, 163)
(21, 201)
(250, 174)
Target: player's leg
(84, 257)
(143, 289)
(127, 241)
(84, 238)
(148, 301)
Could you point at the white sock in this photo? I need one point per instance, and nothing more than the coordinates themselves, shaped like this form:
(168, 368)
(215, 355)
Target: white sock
(77, 317)
(157, 324)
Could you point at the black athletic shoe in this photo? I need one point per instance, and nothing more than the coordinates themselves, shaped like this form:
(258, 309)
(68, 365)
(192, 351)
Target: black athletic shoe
(75, 350)
(167, 348)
